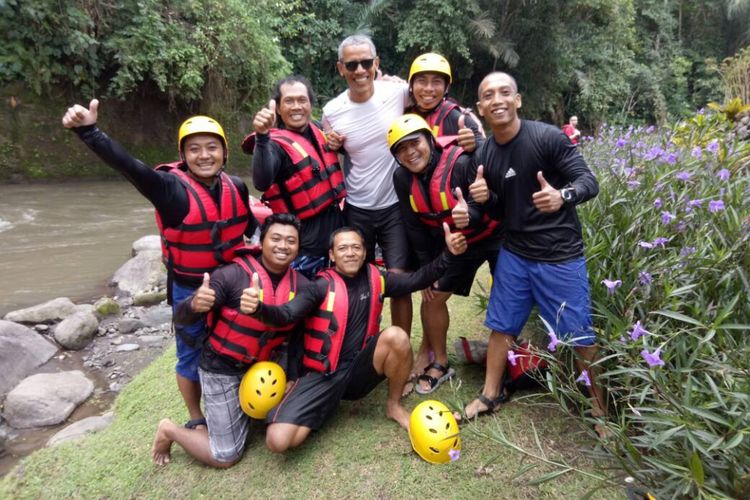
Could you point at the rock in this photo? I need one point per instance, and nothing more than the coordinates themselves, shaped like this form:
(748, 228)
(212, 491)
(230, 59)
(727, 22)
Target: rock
(87, 308)
(150, 298)
(147, 243)
(116, 341)
(140, 274)
(157, 316)
(128, 325)
(107, 307)
(76, 331)
(152, 340)
(41, 328)
(48, 312)
(115, 387)
(21, 350)
(46, 398)
(79, 429)
(127, 347)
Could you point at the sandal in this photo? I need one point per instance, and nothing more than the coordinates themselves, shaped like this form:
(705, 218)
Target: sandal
(492, 406)
(447, 373)
(192, 424)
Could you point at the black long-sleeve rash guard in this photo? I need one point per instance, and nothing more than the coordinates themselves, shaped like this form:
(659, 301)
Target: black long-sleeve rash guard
(310, 298)
(165, 191)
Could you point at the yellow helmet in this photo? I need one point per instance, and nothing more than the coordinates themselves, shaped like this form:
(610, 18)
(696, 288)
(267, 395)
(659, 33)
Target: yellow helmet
(433, 63)
(433, 432)
(262, 388)
(201, 125)
(405, 126)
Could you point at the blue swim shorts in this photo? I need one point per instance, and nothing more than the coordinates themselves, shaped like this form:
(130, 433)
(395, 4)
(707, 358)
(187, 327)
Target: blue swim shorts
(188, 352)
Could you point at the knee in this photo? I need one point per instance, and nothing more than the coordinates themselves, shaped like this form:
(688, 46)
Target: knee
(397, 340)
(277, 440)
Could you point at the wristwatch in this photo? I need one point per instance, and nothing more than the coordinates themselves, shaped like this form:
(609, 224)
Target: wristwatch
(568, 195)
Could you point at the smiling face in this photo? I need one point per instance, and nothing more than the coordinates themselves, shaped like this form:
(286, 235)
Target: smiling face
(413, 154)
(348, 253)
(280, 247)
(360, 80)
(428, 89)
(294, 106)
(499, 102)
(204, 156)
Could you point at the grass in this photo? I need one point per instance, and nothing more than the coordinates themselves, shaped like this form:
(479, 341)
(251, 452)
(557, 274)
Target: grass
(359, 454)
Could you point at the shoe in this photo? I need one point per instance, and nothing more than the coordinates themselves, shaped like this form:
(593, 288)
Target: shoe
(491, 405)
(447, 374)
(192, 424)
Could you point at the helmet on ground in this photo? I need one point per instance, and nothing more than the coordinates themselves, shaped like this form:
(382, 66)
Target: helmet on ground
(201, 125)
(262, 388)
(405, 127)
(433, 432)
(432, 63)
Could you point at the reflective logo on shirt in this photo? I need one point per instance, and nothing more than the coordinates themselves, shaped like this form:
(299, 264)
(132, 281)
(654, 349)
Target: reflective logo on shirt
(510, 173)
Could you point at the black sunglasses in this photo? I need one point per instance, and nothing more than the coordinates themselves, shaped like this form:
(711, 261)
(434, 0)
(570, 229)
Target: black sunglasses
(351, 66)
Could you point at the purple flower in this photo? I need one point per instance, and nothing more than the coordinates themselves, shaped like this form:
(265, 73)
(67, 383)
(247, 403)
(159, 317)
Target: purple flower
(644, 278)
(713, 146)
(553, 341)
(683, 175)
(512, 357)
(629, 171)
(584, 377)
(652, 359)
(666, 217)
(660, 241)
(650, 129)
(723, 174)
(697, 152)
(622, 339)
(694, 203)
(611, 285)
(687, 251)
(638, 331)
(657, 203)
(633, 184)
(645, 244)
(454, 454)
(621, 143)
(669, 158)
(715, 206)
(653, 153)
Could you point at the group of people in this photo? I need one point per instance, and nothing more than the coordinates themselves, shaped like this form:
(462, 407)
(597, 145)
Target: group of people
(393, 163)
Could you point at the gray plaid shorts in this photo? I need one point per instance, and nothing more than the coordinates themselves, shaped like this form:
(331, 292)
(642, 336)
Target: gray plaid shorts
(228, 425)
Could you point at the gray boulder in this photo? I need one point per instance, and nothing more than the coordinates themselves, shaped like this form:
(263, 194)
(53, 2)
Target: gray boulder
(148, 243)
(157, 316)
(129, 325)
(76, 331)
(87, 308)
(107, 307)
(141, 274)
(21, 350)
(46, 399)
(48, 312)
(79, 429)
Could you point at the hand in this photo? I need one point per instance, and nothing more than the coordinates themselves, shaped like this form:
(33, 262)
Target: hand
(250, 296)
(334, 140)
(549, 199)
(78, 116)
(455, 242)
(460, 212)
(478, 189)
(466, 138)
(265, 119)
(428, 294)
(204, 297)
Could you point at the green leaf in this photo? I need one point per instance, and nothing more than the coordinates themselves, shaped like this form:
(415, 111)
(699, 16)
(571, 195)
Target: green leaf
(696, 467)
(549, 476)
(679, 317)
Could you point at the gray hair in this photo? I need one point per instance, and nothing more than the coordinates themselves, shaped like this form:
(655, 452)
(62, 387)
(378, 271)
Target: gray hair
(356, 40)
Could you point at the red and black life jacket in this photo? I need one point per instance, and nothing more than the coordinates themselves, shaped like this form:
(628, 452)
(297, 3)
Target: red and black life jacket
(242, 337)
(325, 330)
(436, 118)
(433, 205)
(317, 181)
(209, 235)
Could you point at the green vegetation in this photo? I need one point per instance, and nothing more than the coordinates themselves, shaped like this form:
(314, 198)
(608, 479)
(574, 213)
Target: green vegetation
(359, 454)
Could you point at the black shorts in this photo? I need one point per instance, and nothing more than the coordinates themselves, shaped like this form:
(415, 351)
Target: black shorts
(385, 227)
(313, 398)
(459, 277)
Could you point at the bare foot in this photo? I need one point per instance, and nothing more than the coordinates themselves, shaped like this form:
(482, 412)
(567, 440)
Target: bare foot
(396, 412)
(161, 449)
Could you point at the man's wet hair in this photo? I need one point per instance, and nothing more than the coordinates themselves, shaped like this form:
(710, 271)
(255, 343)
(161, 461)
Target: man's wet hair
(356, 40)
(344, 229)
(285, 219)
(291, 80)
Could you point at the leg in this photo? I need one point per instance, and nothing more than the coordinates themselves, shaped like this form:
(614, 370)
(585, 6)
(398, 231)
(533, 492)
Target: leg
(397, 254)
(435, 323)
(191, 394)
(497, 354)
(194, 441)
(402, 310)
(281, 437)
(585, 356)
(392, 358)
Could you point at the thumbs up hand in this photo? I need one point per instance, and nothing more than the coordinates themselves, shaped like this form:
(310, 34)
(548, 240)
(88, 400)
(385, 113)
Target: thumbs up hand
(460, 212)
(547, 200)
(454, 242)
(250, 296)
(204, 297)
(334, 140)
(78, 116)
(265, 119)
(478, 189)
(466, 138)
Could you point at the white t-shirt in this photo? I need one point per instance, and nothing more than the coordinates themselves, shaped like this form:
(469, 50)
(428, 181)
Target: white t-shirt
(369, 182)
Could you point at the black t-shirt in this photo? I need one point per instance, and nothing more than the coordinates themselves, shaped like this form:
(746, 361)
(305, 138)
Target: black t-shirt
(511, 173)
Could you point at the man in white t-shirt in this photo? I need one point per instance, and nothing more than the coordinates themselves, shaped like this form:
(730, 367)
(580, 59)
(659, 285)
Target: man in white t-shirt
(357, 121)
